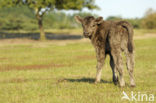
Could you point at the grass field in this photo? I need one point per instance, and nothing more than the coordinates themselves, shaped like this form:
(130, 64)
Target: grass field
(64, 72)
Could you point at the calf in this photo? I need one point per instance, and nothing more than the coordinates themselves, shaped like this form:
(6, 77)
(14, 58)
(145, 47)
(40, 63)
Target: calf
(110, 38)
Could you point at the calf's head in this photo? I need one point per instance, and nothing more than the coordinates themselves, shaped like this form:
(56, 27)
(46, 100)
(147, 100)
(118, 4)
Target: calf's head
(89, 24)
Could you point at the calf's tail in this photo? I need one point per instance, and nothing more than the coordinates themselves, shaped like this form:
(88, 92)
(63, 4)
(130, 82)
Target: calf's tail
(129, 28)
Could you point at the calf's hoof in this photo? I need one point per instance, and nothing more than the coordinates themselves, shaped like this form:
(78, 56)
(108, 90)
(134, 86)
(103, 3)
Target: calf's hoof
(96, 82)
(122, 83)
(115, 81)
(132, 83)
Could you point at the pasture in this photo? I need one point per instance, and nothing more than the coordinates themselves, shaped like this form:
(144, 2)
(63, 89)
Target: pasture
(64, 72)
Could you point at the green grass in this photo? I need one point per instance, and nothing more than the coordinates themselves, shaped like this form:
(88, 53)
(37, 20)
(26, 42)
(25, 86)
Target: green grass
(141, 32)
(47, 72)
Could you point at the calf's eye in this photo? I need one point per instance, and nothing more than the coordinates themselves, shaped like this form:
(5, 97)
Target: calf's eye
(93, 25)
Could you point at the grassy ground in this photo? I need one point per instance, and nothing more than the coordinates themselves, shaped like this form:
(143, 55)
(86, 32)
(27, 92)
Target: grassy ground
(63, 72)
(140, 32)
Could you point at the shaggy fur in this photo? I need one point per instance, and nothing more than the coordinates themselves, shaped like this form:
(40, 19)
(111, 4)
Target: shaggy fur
(110, 38)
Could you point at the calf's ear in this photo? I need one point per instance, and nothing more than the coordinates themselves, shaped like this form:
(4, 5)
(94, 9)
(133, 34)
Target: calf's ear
(99, 20)
(78, 19)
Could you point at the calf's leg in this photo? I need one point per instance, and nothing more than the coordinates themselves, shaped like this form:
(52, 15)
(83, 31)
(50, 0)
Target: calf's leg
(130, 66)
(100, 55)
(115, 78)
(117, 57)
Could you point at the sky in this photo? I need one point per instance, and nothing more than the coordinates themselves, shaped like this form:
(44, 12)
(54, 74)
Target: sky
(123, 8)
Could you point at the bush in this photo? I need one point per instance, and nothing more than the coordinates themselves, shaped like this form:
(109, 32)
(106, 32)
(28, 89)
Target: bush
(17, 18)
(149, 20)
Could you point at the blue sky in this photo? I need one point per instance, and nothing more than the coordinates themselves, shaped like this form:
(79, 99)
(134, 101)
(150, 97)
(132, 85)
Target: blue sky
(124, 8)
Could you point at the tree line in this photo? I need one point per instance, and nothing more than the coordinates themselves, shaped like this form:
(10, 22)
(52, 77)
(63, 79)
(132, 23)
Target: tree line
(41, 7)
(23, 18)
(26, 14)
(148, 21)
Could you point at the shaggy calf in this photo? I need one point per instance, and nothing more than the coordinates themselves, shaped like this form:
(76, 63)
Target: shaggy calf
(110, 38)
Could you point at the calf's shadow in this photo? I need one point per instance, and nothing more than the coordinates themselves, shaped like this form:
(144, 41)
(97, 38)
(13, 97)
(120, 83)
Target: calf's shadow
(36, 36)
(87, 80)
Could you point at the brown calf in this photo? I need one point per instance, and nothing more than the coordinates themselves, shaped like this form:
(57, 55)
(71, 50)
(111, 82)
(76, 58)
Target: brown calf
(111, 38)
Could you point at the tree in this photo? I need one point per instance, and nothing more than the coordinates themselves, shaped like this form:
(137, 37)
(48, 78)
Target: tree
(40, 7)
(149, 20)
